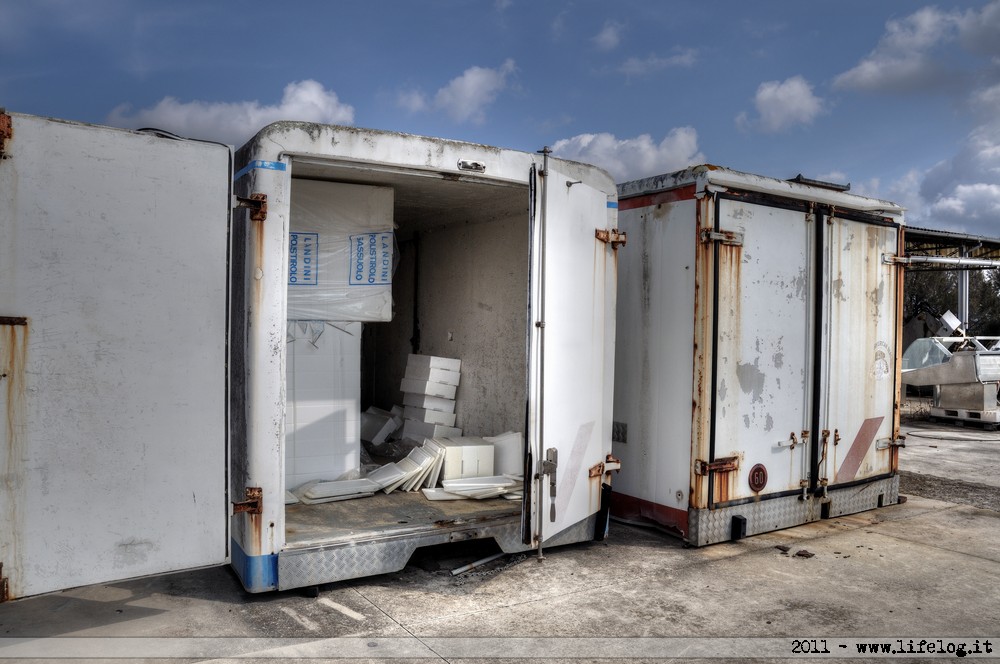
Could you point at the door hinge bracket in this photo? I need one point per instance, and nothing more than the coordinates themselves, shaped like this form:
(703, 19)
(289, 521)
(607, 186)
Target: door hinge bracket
(6, 132)
(605, 467)
(886, 443)
(722, 465)
(254, 503)
(614, 237)
(256, 203)
(734, 238)
(4, 586)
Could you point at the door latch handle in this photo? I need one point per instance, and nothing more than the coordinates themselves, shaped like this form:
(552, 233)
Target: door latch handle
(549, 465)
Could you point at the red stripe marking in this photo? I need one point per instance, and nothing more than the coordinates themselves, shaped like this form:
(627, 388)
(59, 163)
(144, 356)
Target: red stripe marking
(670, 196)
(859, 448)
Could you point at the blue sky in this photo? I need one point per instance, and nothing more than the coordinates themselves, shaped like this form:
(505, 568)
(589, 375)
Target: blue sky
(899, 98)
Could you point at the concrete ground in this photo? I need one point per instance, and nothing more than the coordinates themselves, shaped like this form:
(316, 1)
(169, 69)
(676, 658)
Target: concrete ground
(927, 569)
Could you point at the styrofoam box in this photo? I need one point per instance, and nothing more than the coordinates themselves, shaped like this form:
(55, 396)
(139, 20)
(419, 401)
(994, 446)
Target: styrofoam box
(466, 457)
(508, 452)
(427, 387)
(429, 416)
(433, 362)
(377, 425)
(428, 402)
(417, 430)
(434, 375)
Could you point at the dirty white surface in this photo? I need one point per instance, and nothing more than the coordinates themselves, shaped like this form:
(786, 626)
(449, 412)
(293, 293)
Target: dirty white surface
(113, 441)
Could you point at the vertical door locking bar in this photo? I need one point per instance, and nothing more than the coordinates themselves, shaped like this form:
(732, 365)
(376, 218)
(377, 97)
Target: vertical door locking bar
(549, 465)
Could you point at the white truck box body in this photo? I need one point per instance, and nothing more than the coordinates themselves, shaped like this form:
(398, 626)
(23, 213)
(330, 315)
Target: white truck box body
(498, 265)
(113, 347)
(145, 401)
(756, 367)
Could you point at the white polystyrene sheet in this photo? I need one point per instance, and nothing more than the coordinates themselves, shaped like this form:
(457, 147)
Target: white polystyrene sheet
(441, 494)
(340, 488)
(409, 468)
(508, 452)
(437, 450)
(340, 252)
(113, 245)
(323, 400)
(425, 461)
(478, 482)
(387, 475)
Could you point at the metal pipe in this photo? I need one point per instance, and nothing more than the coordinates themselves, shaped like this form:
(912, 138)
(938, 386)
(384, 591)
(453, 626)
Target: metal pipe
(478, 563)
(963, 292)
(942, 260)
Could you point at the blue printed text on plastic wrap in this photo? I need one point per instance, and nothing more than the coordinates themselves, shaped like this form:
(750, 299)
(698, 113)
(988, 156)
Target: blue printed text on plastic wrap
(371, 259)
(303, 259)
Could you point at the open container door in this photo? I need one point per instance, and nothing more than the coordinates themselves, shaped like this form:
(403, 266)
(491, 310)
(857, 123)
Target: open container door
(113, 348)
(861, 428)
(571, 374)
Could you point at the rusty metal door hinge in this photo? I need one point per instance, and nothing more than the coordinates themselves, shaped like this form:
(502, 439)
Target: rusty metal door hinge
(886, 443)
(257, 204)
(722, 465)
(6, 133)
(254, 504)
(614, 237)
(605, 467)
(734, 238)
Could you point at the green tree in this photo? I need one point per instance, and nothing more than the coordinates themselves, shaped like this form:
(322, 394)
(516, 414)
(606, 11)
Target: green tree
(936, 291)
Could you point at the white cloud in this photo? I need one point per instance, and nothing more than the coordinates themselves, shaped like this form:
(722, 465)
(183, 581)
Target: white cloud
(503, 5)
(837, 177)
(782, 105)
(558, 26)
(413, 101)
(235, 122)
(904, 192)
(610, 36)
(963, 193)
(970, 206)
(633, 158)
(682, 57)
(987, 101)
(979, 32)
(905, 59)
(466, 97)
(922, 52)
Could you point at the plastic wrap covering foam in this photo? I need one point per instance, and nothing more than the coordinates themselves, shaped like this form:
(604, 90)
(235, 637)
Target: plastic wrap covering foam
(341, 253)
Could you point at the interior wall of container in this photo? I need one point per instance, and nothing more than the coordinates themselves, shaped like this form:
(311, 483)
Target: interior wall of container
(460, 290)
